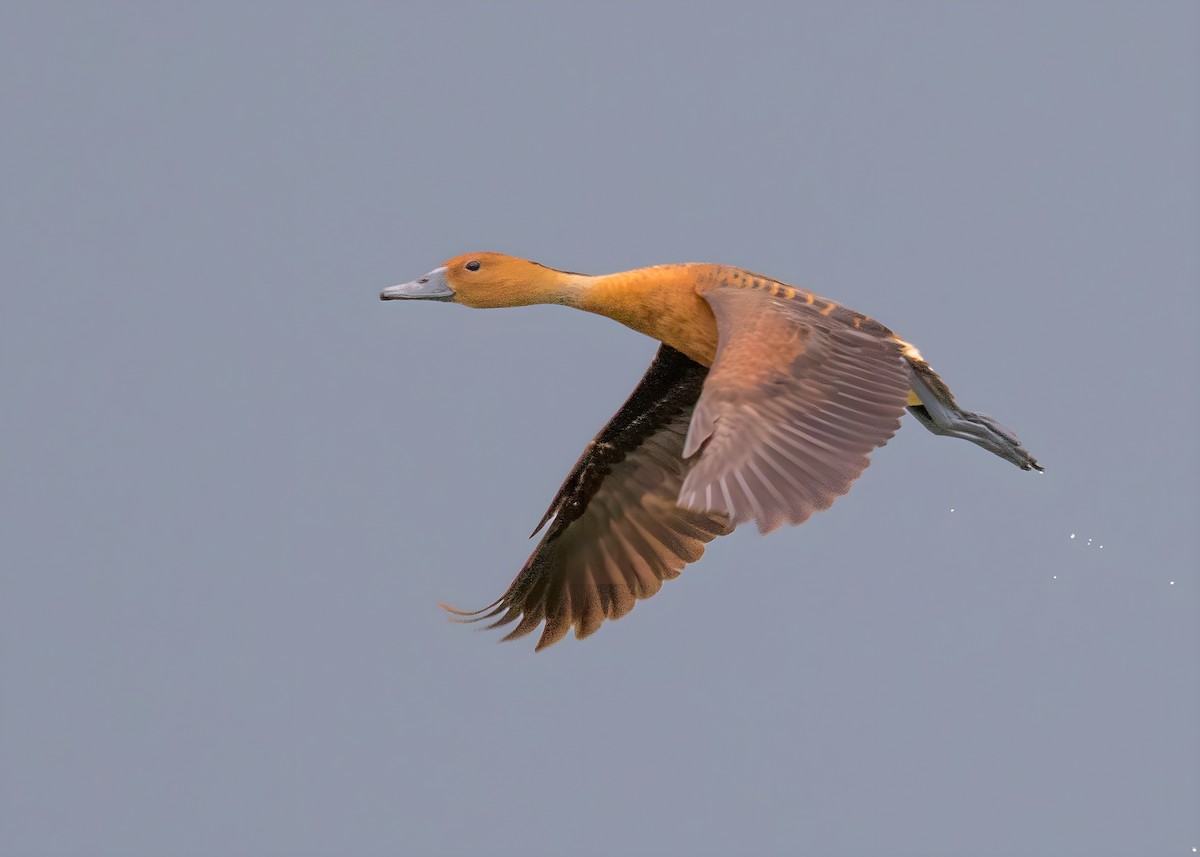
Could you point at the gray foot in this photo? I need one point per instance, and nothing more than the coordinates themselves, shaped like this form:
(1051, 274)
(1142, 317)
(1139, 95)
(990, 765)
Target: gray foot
(939, 413)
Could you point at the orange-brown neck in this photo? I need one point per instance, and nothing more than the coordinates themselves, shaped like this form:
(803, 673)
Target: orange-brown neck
(661, 302)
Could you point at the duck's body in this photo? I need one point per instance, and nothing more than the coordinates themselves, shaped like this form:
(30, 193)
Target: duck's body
(762, 404)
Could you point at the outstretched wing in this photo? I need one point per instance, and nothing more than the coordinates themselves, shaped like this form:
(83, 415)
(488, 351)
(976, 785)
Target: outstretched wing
(617, 531)
(800, 392)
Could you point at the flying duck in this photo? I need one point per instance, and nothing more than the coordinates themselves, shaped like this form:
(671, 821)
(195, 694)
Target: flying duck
(762, 404)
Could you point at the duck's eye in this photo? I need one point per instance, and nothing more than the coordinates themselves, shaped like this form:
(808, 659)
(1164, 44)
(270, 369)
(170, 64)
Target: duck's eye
(473, 265)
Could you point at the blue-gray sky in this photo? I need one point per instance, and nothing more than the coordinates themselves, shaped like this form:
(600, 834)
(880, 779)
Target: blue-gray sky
(236, 485)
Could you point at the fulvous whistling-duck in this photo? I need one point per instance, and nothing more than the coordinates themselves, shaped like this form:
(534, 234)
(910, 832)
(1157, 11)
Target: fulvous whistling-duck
(762, 404)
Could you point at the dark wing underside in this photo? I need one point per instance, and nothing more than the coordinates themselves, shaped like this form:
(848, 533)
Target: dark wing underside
(794, 403)
(617, 532)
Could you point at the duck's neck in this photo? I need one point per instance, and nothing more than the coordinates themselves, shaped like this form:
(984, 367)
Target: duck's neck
(660, 302)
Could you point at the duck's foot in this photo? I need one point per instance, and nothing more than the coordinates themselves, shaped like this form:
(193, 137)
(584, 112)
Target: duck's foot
(939, 413)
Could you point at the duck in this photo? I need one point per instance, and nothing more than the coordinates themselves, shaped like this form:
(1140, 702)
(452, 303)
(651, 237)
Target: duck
(762, 404)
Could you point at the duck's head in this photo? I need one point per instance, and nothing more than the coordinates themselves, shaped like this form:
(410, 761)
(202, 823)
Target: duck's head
(486, 280)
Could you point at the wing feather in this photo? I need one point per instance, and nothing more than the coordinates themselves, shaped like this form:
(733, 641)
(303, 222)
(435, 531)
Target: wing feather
(801, 392)
(615, 529)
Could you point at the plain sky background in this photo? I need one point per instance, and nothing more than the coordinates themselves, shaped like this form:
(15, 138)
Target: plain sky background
(236, 485)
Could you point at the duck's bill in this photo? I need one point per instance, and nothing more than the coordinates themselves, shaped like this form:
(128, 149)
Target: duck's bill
(431, 287)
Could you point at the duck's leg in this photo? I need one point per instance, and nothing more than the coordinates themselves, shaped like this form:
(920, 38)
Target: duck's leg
(938, 412)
